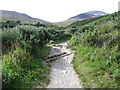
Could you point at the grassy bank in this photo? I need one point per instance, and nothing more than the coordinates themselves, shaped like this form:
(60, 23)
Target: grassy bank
(92, 69)
(22, 70)
(97, 57)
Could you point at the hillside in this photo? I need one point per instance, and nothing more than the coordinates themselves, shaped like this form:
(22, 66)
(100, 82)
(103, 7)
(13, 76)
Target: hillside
(66, 22)
(97, 56)
(86, 21)
(15, 16)
(80, 17)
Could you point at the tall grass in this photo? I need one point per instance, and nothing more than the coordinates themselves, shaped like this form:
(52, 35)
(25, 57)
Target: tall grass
(95, 68)
(20, 70)
(97, 57)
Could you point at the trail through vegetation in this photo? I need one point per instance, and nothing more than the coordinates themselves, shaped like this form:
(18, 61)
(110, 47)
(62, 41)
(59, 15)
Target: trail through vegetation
(62, 72)
(96, 43)
(23, 48)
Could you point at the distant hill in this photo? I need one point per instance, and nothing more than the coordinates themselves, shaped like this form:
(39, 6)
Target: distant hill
(15, 16)
(90, 14)
(82, 16)
(66, 22)
(85, 21)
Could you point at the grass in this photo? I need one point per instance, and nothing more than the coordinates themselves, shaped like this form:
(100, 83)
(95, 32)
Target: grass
(64, 23)
(62, 40)
(97, 52)
(28, 73)
(72, 42)
(93, 74)
(59, 41)
(40, 52)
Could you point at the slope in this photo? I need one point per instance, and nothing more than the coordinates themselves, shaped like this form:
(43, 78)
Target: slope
(97, 54)
(80, 17)
(15, 16)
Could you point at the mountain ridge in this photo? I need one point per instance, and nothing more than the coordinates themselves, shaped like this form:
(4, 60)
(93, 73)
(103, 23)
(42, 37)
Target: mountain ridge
(15, 16)
(89, 14)
(24, 18)
(81, 16)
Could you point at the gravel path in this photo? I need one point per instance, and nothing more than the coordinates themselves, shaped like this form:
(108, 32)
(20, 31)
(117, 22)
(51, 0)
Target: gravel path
(62, 72)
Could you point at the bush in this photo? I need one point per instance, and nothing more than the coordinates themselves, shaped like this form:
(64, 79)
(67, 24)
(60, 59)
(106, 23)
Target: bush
(20, 70)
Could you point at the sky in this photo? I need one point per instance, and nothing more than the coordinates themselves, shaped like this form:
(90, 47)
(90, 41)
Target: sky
(58, 10)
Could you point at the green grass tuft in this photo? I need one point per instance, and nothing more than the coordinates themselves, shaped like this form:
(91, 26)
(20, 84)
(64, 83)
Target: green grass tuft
(92, 69)
(28, 71)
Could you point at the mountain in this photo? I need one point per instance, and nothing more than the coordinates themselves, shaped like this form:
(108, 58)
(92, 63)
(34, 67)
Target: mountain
(82, 16)
(15, 16)
(97, 12)
(66, 22)
(87, 15)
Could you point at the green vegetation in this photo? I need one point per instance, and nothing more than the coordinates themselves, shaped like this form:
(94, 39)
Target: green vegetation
(86, 21)
(20, 70)
(97, 57)
(9, 24)
(96, 42)
(23, 48)
(65, 23)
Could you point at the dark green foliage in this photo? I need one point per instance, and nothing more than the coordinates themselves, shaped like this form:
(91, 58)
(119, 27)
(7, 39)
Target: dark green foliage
(23, 48)
(30, 36)
(39, 24)
(20, 70)
(10, 24)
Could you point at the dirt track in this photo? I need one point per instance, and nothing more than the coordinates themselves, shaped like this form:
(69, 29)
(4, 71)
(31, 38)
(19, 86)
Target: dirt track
(62, 73)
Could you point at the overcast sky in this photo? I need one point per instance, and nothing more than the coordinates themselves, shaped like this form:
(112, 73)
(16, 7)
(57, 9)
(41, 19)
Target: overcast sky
(58, 10)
